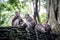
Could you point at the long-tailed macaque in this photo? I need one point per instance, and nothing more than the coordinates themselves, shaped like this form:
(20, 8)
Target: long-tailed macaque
(17, 20)
(40, 27)
(43, 28)
(30, 22)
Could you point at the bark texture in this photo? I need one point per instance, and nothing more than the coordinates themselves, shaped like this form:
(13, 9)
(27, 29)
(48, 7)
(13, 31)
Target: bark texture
(53, 14)
(36, 6)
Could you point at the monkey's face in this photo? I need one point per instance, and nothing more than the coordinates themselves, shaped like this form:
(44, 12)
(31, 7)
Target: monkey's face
(17, 14)
(26, 16)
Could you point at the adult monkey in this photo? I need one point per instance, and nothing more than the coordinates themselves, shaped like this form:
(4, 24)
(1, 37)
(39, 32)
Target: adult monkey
(17, 20)
(39, 28)
(30, 23)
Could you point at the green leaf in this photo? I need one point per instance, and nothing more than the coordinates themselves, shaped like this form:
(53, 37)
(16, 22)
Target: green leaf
(1, 22)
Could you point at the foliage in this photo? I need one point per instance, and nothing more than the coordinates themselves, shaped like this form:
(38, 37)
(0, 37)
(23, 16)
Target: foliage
(43, 17)
(43, 3)
(7, 8)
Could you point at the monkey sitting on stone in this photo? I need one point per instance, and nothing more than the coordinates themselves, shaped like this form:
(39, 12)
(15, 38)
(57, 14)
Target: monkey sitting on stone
(30, 22)
(43, 28)
(17, 20)
(40, 27)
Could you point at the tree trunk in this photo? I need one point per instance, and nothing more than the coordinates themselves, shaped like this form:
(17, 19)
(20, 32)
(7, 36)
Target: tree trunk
(53, 14)
(36, 15)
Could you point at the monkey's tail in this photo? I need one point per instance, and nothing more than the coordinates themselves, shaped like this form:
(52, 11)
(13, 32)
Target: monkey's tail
(36, 34)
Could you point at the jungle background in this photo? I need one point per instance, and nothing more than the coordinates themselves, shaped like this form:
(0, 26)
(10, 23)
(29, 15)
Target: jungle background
(8, 7)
